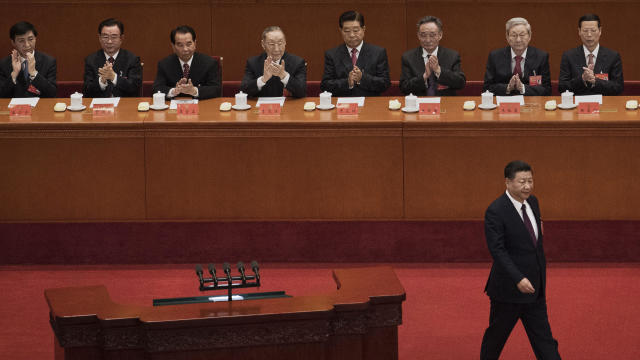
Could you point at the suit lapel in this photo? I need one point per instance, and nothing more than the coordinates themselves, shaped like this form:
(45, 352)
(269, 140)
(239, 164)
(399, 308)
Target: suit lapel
(528, 63)
(419, 61)
(600, 61)
(514, 214)
(346, 58)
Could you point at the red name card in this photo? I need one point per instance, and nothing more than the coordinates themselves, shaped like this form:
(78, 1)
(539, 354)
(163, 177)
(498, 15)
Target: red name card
(588, 108)
(103, 109)
(187, 109)
(269, 109)
(347, 109)
(509, 108)
(535, 80)
(20, 110)
(602, 76)
(429, 109)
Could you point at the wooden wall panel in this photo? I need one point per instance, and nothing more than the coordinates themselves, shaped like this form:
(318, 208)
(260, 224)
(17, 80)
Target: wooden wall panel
(232, 28)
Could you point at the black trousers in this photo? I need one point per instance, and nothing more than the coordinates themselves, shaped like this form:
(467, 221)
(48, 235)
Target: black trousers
(504, 316)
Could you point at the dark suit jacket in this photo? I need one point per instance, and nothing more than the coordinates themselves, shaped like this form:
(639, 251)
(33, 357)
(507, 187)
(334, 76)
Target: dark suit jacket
(498, 72)
(203, 73)
(45, 81)
(127, 67)
(513, 252)
(294, 65)
(373, 63)
(607, 62)
(451, 76)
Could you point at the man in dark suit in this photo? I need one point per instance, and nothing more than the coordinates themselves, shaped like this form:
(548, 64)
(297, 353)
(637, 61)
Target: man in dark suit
(591, 68)
(187, 72)
(431, 69)
(516, 284)
(27, 72)
(112, 71)
(518, 69)
(275, 72)
(355, 68)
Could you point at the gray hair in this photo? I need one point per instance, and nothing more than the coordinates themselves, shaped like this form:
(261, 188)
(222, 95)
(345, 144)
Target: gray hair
(428, 19)
(518, 21)
(269, 29)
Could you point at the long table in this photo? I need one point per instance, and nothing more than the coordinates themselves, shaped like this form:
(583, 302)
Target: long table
(377, 165)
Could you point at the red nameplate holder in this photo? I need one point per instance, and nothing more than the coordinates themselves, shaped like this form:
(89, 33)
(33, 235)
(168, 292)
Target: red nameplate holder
(187, 109)
(429, 109)
(103, 109)
(602, 76)
(270, 109)
(588, 108)
(347, 109)
(509, 108)
(20, 110)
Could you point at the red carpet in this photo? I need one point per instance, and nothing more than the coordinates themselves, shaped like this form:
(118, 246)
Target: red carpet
(594, 308)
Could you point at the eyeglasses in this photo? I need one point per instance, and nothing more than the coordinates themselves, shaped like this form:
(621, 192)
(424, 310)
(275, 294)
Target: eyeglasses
(516, 36)
(109, 37)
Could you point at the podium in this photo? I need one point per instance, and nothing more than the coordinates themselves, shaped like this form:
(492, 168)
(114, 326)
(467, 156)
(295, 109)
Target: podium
(357, 321)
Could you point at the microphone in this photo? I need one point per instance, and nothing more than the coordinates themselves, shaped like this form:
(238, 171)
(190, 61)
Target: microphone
(199, 273)
(241, 270)
(212, 271)
(256, 270)
(227, 270)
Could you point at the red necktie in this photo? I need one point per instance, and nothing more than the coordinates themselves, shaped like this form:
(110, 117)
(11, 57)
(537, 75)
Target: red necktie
(591, 56)
(527, 224)
(354, 57)
(517, 70)
(111, 60)
(185, 71)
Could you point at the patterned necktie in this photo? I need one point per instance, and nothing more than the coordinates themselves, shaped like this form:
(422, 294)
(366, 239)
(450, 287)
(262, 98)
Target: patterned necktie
(111, 60)
(591, 56)
(431, 81)
(517, 70)
(185, 71)
(527, 224)
(354, 56)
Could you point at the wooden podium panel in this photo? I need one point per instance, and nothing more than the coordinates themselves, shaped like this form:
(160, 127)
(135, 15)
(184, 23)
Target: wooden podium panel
(298, 165)
(583, 164)
(357, 321)
(71, 166)
(376, 165)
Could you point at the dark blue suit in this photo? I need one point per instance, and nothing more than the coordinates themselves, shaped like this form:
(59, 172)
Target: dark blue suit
(126, 66)
(45, 81)
(498, 72)
(516, 257)
(294, 65)
(373, 62)
(607, 62)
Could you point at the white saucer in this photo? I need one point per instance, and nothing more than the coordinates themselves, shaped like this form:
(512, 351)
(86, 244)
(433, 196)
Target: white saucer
(325, 107)
(487, 107)
(410, 110)
(565, 107)
(237, 107)
(162, 107)
(74, 108)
